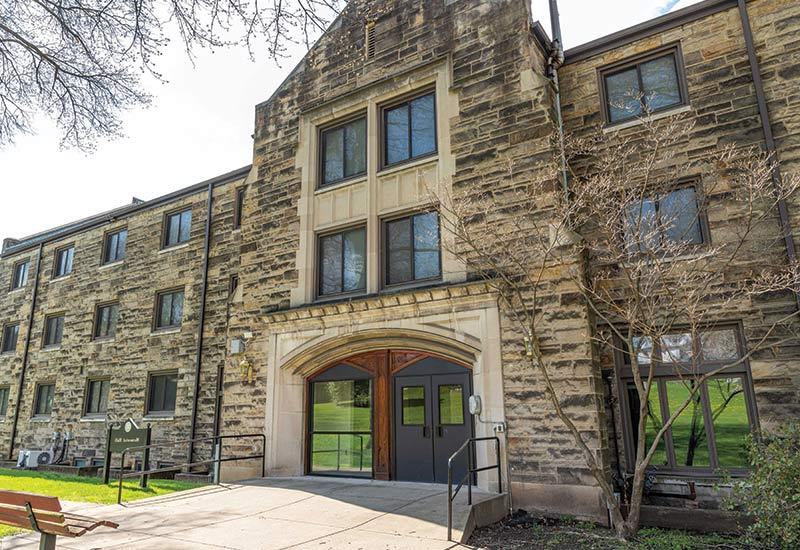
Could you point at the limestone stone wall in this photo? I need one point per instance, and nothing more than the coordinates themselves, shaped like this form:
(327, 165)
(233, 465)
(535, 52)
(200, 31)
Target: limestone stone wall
(137, 349)
(722, 104)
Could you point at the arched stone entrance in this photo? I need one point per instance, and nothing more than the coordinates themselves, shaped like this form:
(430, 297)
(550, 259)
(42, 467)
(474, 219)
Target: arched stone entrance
(388, 414)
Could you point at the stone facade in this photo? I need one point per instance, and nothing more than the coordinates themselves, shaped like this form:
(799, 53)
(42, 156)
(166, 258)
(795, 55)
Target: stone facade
(486, 63)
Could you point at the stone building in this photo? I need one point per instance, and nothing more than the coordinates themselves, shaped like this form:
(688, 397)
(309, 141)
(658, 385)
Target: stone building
(259, 300)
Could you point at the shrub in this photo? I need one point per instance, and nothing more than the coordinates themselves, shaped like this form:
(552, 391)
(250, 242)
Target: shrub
(771, 494)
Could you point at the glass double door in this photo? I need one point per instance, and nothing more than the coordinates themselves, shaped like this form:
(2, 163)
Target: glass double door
(431, 421)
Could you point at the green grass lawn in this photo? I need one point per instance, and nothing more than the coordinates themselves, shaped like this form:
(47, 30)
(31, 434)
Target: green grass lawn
(82, 489)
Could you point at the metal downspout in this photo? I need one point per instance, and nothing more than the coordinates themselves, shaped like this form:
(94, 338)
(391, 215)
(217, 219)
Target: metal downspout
(554, 62)
(769, 138)
(21, 385)
(198, 361)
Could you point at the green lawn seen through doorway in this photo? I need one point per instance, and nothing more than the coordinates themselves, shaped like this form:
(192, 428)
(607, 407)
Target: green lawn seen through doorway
(81, 489)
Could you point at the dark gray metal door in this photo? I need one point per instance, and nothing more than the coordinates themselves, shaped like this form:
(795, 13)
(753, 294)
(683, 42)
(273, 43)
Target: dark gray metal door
(431, 423)
(413, 429)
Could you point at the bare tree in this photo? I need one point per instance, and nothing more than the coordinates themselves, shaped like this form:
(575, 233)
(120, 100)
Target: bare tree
(630, 238)
(81, 61)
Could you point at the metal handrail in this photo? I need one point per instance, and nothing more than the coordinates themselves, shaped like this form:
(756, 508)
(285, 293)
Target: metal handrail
(216, 460)
(471, 471)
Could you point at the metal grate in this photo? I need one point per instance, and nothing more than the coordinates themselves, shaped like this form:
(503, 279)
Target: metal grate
(369, 43)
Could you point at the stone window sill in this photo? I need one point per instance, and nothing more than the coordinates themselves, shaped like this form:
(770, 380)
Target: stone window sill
(408, 164)
(340, 185)
(173, 248)
(166, 331)
(111, 265)
(59, 279)
(17, 290)
(158, 418)
(103, 340)
(638, 121)
(41, 419)
(52, 348)
(95, 419)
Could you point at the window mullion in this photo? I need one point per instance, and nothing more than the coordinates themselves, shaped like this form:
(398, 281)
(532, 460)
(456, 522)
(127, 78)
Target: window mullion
(342, 269)
(665, 412)
(410, 132)
(642, 92)
(411, 253)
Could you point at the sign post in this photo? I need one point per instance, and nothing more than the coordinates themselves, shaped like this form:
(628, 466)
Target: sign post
(121, 438)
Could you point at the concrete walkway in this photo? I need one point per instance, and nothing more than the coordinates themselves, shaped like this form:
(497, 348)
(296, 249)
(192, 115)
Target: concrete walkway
(278, 513)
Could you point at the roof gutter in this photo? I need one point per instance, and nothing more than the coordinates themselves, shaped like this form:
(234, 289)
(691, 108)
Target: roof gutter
(198, 360)
(769, 138)
(25, 353)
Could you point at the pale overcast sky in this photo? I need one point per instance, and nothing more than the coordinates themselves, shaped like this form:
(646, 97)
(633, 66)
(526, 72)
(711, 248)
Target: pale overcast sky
(199, 126)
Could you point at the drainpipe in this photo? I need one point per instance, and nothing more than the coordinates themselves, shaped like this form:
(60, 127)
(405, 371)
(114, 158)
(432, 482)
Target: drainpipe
(769, 138)
(21, 385)
(198, 360)
(554, 62)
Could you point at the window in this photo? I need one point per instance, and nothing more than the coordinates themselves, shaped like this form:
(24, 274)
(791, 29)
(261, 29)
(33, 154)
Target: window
(96, 397)
(10, 336)
(19, 274)
(233, 285)
(161, 392)
(343, 151)
(409, 130)
(667, 223)
(43, 405)
(53, 330)
(648, 85)
(451, 404)
(177, 228)
(342, 262)
(4, 391)
(711, 431)
(169, 309)
(237, 208)
(412, 249)
(413, 405)
(64, 257)
(105, 321)
(114, 246)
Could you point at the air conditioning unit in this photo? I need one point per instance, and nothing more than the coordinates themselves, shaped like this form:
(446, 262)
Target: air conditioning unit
(33, 459)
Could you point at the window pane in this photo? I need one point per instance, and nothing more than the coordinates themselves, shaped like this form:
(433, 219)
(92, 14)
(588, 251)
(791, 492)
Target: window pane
(413, 406)
(165, 309)
(643, 347)
(170, 391)
(653, 423)
(423, 126)
(111, 247)
(3, 401)
(426, 246)
(719, 345)
(688, 429)
(333, 151)
(346, 453)
(176, 314)
(104, 387)
(157, 393)
(660, 80)
(398, 235)
(10, 337)
(679, 217)
(121, 245)
(676, 348)
(731, 423)
(624, 99)
(354, 275)
(186, 226)
(173, 228)
(331, 264)
(451, 404)
(397, 134)
(641, 231)
(355, 147)
(342, 406)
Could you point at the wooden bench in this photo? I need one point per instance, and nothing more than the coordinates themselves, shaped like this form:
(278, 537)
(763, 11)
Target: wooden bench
(43, 514)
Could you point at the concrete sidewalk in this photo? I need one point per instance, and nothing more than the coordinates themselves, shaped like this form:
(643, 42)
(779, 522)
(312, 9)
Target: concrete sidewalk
(279, 513)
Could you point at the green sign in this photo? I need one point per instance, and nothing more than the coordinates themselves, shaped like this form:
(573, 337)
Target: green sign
(126, 436)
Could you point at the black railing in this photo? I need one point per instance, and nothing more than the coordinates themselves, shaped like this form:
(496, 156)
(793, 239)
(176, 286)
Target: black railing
(469, 446)
(216, 460)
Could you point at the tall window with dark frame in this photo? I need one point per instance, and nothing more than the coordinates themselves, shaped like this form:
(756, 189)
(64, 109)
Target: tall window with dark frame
(43, 404)
(409, 130)
(115, 246)
(4, 391)
(10, 337)
(105, 321)
(711, 431)
(53, 330)
(343, 151)
(19, 274)
(238, 207)
(96, 397)
(169, 310)
(647, 86)
(63, 263)
(177, 228)
(412, 251)
(342, 262)
(660, 222)
(161, 393)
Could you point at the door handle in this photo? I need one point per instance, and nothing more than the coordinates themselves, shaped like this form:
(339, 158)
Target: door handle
(425, 432)
(440, 431)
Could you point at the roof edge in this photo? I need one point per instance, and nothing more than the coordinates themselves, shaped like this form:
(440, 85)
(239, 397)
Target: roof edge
(647, 28)
(84, 224)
